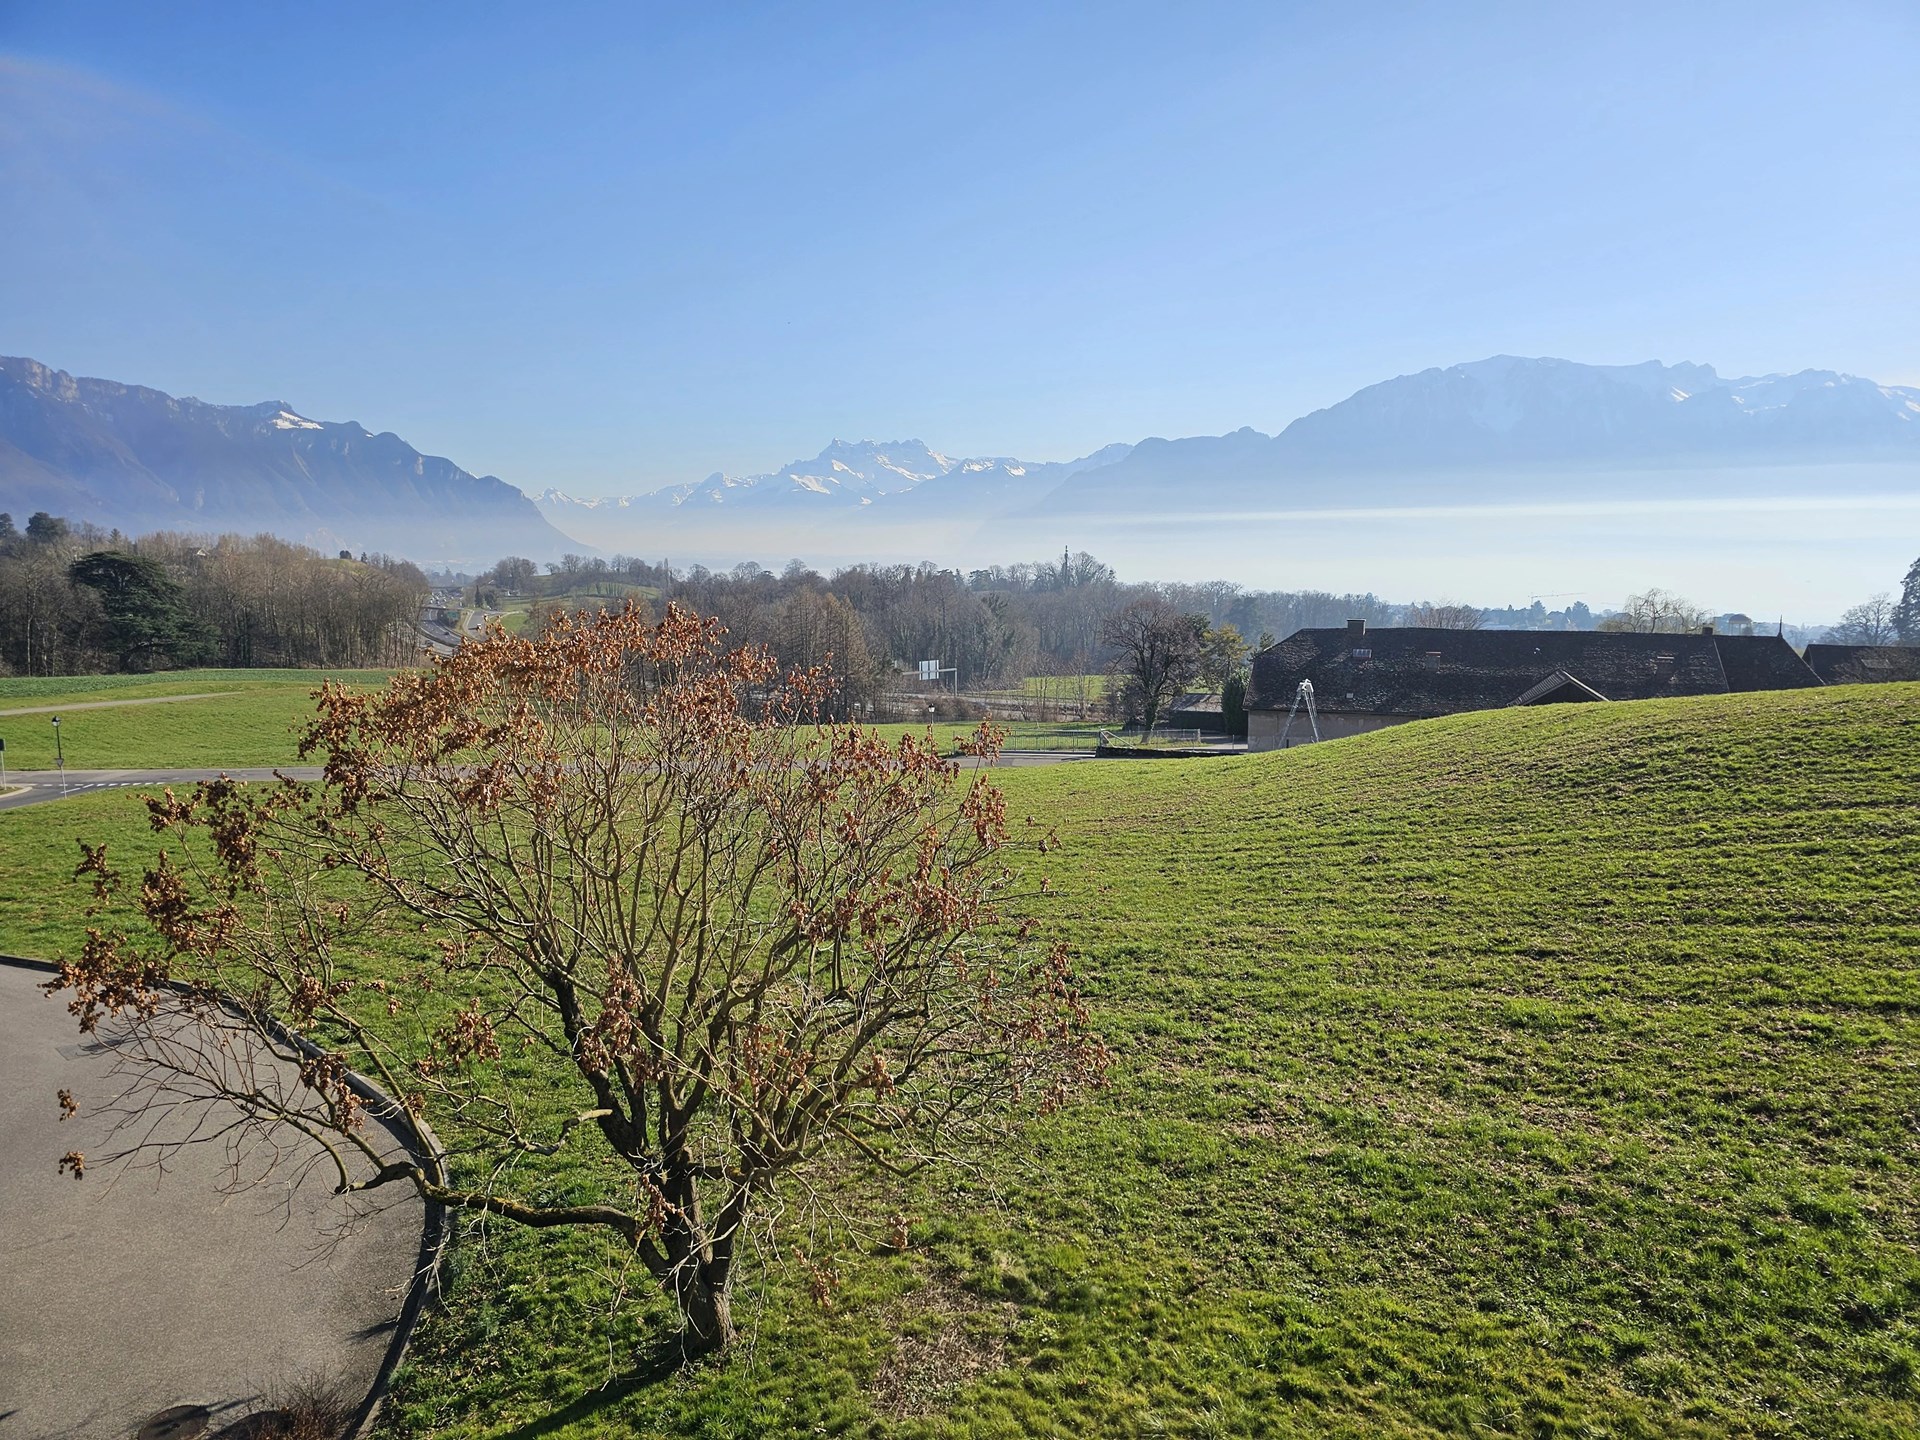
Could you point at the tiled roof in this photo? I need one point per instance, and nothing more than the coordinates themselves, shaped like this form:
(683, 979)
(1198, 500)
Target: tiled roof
(1762, 662)
(1864, 664)
(1413, 671)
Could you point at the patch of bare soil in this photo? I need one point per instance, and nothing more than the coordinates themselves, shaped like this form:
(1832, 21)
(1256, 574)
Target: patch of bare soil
(949, 1337)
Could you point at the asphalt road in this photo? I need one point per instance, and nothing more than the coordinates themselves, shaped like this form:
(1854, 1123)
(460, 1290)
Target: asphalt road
(130, 1291)
(40, 786)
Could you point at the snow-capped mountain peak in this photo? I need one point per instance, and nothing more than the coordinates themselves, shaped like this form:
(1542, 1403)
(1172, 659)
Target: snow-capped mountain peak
(853, 473)
(905, 480)
(552, 499)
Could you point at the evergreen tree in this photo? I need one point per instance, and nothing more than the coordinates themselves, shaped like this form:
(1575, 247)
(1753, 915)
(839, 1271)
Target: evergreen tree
(1906, 614)
(146, 611)
(1233, 705)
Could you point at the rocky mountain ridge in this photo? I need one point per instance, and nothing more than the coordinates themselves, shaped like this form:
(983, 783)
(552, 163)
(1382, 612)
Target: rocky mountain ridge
(1507, 423)
(140, 459)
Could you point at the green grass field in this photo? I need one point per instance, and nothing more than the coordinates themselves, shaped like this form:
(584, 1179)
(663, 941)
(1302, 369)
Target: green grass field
(250, 718)
(599, 594)
(1060, 687)
(1530, 1073)
(1093, 686)
(1076, 692)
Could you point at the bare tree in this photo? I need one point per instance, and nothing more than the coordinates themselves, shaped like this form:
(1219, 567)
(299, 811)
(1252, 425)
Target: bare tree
(1157, 651)
(515, 575)
(810, 630)
(1446, 615)
(1657, 611)
(1871, 623)
(660, 925)
(48, 625)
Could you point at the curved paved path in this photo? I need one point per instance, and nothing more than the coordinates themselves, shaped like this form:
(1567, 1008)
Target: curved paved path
(128, 1292)
(115, 704)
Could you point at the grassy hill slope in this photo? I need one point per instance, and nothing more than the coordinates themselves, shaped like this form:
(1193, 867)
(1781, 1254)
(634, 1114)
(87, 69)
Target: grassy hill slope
(1528, 1073)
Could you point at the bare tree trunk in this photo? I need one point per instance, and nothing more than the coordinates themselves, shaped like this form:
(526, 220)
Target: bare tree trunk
(705, 1306)
(700, 1277)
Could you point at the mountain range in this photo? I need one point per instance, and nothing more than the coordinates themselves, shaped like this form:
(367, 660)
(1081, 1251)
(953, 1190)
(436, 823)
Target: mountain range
(1542, 427)
(903, 479)
(1493, 429)
(126, 456)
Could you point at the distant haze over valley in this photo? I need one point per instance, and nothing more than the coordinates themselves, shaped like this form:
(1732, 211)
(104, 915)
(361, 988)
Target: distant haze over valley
(1491, 481)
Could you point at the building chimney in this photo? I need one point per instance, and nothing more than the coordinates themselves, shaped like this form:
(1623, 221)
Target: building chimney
(1356, 629)
(1706, 629)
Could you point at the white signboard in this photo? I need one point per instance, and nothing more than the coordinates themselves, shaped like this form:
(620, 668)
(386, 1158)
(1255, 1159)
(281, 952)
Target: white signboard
(930, 671)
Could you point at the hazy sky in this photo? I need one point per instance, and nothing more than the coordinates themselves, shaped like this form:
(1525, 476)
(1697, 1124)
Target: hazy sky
(609, 247)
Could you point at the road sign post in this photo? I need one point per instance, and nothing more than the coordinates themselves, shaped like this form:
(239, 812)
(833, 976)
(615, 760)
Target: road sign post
(60, 757)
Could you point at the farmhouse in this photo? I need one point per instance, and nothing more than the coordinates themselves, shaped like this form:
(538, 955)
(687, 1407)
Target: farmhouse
(1369, 679)
(1197, 711)
(1864, 664)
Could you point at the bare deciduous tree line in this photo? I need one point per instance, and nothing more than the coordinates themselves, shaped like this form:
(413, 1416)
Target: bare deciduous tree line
(993, 626)
(246, 601)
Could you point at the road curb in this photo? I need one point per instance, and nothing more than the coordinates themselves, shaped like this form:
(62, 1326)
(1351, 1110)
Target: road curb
(1166, 752)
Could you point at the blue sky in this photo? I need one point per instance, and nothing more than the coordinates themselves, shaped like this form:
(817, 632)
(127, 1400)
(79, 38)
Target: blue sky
(609, 247)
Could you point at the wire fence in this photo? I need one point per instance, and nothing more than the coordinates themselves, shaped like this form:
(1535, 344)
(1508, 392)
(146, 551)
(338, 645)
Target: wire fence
(1086, 739)
(1034, 736)
(1162, 735)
